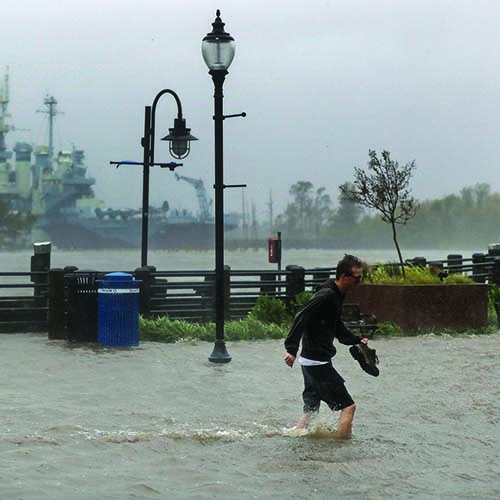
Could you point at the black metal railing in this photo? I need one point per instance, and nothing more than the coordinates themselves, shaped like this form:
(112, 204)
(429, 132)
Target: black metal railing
(38, 301)
(23, 302)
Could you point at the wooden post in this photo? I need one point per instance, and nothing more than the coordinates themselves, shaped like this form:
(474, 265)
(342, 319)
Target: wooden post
(144, 274)
(418, 262)
(455, 263)
(40, 265)
(56, 318)
(479, 267)
(295, 283)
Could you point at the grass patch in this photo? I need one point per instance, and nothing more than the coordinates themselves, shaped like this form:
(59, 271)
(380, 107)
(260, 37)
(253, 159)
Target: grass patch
(174, 330)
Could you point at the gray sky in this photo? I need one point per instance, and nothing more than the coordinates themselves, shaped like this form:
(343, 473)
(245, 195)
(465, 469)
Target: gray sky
(322, 82)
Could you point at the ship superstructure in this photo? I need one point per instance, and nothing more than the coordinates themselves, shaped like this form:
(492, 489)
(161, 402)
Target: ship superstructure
(58, 191)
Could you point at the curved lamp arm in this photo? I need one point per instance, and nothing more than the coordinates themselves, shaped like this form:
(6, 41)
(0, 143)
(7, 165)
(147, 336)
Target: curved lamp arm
(153, 117)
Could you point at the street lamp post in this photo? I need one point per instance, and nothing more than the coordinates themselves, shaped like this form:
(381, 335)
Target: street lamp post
(218, 49)
(179, 138)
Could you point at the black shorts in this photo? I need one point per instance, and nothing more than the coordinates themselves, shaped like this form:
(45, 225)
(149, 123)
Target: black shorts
(323, 383)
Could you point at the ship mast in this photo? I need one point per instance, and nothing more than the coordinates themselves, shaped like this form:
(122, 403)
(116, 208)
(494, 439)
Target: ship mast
(51, 103)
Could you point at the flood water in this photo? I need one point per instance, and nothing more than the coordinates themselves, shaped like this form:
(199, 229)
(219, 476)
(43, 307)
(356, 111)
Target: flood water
(128, 260)
(161, 422)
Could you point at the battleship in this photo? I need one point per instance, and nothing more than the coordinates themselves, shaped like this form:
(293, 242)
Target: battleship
(57, 190)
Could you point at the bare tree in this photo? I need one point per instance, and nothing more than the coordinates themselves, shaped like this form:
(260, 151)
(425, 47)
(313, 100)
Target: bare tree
(384, 188)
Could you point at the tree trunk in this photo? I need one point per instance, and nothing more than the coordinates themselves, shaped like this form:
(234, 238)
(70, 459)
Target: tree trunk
(395, 239)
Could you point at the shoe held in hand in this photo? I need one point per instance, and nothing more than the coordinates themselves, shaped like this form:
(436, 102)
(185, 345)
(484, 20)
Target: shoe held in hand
(366, 357)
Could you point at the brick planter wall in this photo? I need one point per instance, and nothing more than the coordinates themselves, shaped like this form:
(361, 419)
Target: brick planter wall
(424, 307)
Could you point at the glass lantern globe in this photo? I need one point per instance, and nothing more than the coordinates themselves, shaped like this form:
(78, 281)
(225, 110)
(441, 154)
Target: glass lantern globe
(218, 47)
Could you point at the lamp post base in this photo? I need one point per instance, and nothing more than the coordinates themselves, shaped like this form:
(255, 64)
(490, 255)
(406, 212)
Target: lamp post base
(219, 354)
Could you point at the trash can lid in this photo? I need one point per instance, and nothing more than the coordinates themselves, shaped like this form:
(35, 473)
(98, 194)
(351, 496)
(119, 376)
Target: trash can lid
(118, 277)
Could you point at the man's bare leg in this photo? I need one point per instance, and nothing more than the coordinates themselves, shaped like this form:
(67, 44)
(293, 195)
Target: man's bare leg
(344, 429)
(304, 420)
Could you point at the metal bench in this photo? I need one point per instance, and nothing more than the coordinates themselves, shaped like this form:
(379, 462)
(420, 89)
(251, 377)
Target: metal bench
(355, 319)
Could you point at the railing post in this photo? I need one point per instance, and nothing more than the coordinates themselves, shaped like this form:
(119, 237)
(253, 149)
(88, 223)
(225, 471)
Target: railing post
(268, 286)
(40, 263)
(455, 262)
(418, 262)
(144, 274)
(295, 283)
(320, 277)
(479, 267)
(208, 298)
(56, 318)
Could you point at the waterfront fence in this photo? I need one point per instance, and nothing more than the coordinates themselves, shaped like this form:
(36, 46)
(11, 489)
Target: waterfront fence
(23, 303)
(45, 301)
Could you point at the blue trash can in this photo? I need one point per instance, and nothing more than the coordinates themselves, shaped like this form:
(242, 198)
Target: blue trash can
(118, 310)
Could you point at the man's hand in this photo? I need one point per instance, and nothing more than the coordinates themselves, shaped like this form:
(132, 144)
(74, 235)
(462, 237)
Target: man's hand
(289, 359)
(364, 341)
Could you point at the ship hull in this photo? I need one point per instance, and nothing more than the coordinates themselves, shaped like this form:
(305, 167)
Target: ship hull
(99, 234)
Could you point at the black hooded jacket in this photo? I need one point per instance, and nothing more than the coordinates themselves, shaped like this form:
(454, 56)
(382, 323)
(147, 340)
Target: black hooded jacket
(317, 323)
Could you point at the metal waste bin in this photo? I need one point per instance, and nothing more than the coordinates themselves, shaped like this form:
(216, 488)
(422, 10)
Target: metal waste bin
(81, 319)
(118, 299)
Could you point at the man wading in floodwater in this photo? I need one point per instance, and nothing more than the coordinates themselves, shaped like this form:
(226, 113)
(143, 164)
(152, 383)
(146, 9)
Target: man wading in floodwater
(317, 323)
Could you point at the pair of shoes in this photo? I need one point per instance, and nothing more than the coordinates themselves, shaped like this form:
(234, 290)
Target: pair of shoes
(366, 357)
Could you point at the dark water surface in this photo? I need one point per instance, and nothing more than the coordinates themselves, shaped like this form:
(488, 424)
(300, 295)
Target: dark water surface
(128, 260)
(160, 422)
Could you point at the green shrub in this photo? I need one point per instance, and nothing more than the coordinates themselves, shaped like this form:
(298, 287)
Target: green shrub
(458, 279)
(390, 274)
(494, 294)
(301, 298)
(269, 310)
(168, 330)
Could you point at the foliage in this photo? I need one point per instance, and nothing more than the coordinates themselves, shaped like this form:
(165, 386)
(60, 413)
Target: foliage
(457, 219)
(171, 331)
(168, 330)
(494, 305)
(494, 294)
(14, 226)
(467, 219)
(269, 319)
(384, 188)
(269, 310)
(301, 298)
(348, 213)
(457, 279)
(307, 215)
(390, 274)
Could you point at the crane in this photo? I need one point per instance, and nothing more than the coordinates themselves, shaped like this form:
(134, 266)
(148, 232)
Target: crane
(203, 200)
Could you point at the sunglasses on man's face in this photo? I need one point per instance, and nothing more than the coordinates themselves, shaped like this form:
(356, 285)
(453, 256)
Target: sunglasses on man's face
(355, 277)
